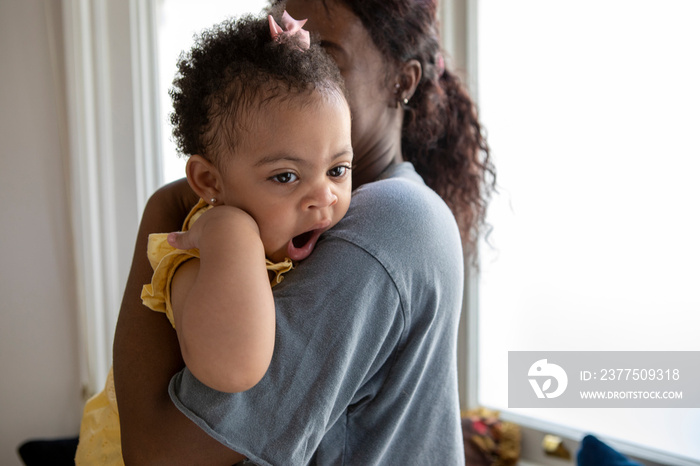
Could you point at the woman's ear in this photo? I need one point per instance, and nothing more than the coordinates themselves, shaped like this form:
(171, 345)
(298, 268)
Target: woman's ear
(410, 74)
(204, 178)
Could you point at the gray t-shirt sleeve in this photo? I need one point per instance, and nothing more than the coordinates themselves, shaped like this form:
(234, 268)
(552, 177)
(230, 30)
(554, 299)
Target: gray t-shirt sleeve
(336, 331)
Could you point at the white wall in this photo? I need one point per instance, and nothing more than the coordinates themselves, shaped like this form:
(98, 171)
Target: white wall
(40, 393)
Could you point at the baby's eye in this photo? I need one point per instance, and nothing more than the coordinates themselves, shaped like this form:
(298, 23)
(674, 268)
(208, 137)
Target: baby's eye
(337, 172)
(285, 178)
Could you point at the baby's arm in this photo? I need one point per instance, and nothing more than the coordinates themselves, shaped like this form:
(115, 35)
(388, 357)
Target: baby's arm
(222, 303)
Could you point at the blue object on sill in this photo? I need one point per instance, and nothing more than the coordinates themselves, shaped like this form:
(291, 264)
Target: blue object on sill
(593, 452)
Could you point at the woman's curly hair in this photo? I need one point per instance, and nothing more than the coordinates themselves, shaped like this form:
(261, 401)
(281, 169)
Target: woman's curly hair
(233, 67)
(442, 135)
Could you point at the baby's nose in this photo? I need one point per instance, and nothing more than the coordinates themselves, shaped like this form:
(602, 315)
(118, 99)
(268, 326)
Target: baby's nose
(321, 196)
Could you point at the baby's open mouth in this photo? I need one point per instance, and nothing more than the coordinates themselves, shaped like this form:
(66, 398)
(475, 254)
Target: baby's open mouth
(301, 246)
(302, 239)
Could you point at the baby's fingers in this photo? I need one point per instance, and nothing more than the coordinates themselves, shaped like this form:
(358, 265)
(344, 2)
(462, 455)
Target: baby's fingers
(180, 240)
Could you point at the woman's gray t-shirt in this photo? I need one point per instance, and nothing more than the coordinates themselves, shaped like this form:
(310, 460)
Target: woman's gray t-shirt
(364, 367)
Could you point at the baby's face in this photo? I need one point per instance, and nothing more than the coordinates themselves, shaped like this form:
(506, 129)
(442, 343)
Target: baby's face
(291, 172)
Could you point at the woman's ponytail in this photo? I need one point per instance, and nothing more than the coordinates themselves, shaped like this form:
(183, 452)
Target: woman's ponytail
(442, 135)
(444, 140)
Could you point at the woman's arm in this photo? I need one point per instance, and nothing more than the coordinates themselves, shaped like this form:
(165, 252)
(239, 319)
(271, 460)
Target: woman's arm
(222, 302)
(147, 355)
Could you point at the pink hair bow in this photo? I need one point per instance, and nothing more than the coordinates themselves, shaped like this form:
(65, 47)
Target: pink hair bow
(292, 27)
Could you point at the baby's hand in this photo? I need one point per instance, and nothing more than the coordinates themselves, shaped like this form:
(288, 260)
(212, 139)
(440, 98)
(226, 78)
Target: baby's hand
(215, 223)
(180, 240)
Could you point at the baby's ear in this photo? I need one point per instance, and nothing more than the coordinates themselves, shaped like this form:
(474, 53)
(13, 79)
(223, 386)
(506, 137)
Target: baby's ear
(204, 178)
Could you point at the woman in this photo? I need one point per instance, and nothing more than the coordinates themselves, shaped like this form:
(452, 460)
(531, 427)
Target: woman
(379, 385)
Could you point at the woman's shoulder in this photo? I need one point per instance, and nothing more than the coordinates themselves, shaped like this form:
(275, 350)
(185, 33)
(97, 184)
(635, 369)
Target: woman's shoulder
(398, 210)
(401, 197)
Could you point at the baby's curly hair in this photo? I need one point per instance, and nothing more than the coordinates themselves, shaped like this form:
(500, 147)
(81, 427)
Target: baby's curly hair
(236, 66)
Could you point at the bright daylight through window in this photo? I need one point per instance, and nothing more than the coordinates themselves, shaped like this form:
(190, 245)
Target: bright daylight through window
(592, 115)
(178, 22)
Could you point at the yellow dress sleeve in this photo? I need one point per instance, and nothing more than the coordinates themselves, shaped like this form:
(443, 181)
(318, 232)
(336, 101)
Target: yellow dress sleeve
(165, 260)
(278, 270)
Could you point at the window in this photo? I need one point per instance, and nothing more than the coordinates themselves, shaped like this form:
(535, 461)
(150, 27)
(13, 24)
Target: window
(592, 115)
(178, 22)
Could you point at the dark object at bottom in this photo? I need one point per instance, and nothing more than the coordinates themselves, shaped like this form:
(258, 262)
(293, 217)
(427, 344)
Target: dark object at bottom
(58, 452)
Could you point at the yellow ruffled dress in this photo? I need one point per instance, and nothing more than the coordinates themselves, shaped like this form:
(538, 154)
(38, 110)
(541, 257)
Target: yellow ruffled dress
(100, 438)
